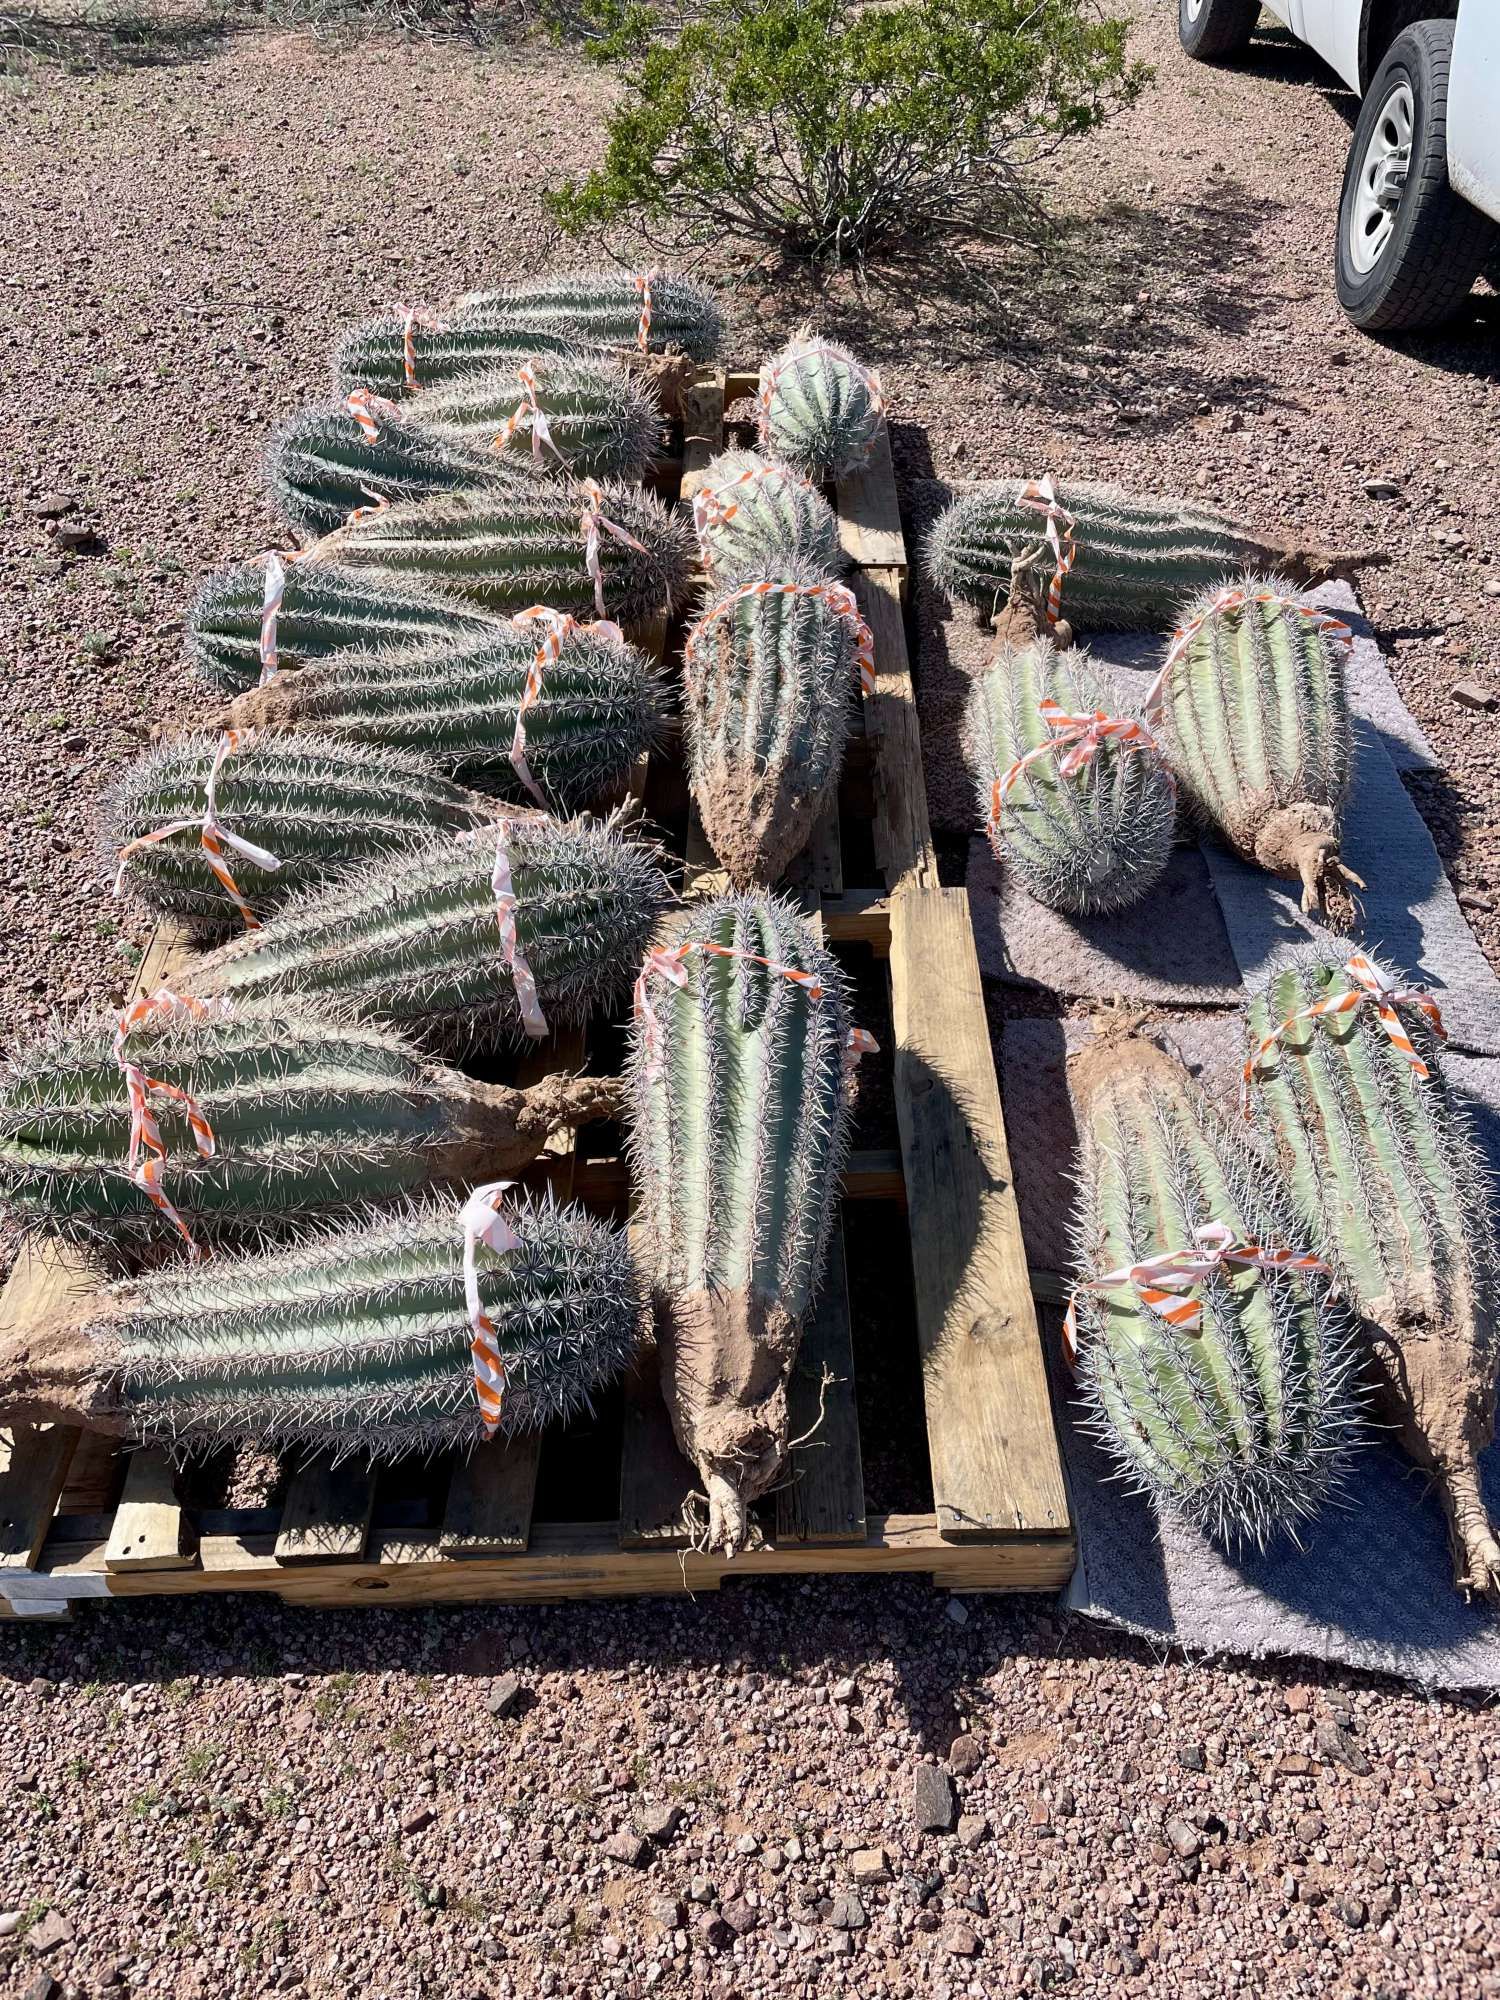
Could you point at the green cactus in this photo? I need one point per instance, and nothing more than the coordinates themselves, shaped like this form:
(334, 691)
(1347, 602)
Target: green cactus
(414, 941)
(323, 464)
(770, 678)
(308, 1113)
(600, 423)
(1382, 1166)
(1088, 843)
(739, 1127)
(1136, 557)
(600, 707)
(601, 310)
(1256, 725)
(752, 516)
(373, 354)
(527, 545)
(1237, 1427)
(819, 410)
(325, 610)
(356, 1342)
(316, 805)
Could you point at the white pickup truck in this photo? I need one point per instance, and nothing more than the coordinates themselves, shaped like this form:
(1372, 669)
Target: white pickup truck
(1419, 218)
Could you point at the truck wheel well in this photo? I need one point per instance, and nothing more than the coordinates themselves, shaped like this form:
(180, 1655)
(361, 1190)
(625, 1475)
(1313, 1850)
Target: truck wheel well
(1385, 19)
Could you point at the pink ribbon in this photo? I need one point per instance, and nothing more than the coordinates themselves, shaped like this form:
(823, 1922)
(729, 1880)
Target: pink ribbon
(270, 613)
(1234, 598)
(507, 903)
(146, 1159)
(774, 370)
(1371, 985)
(411, 318)
(838, 596)
(591, 521)
(557, 628)
(712, 510)
(1075, 742)
(541, 430)
(483, 1222)
(1041, 496)
(212, 833)
(362, 406)
(669, 962)
(642, 283)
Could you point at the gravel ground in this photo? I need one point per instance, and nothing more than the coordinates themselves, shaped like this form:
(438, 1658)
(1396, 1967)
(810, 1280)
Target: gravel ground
(240, 1799)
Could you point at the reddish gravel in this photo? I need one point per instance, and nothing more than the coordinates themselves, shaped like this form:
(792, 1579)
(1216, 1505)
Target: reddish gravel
(233, 1800)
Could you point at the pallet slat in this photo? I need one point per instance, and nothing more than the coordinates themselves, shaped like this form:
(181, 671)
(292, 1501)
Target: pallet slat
(150, 1530)
(490, 1498)
(327, 1513)
(823, 1496)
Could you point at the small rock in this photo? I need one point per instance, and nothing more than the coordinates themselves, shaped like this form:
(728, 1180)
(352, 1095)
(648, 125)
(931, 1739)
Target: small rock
(1190, 1756)
(1383, 489)
(1353, 1912)
(1335, 1743)
(747, 1845)
(972, 1829)
(1473, 694)
(958, 1611)
(713, 1930)
(418, 1818)
(960, 1942)
(668, 1911)
(934, 1806)
(845, 1691)
(10, 1922)
(42, 1987)
(49, 1931)
(659, 1823)
(701, 1890)
(965, 1755)
(1297, 1700)
(870, 1864)
(1492, 586)
(51, 506)
(740, 1915)
(847, 1913)
(1482, 905)
(840, 1945)
(628, 1848)
(74, 535)
(506, 1697)
(977, 1901)
(1184, 1839)
(1310, 1826)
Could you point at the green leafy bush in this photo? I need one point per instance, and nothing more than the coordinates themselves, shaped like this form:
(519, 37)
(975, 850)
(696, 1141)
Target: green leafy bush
(838, 131)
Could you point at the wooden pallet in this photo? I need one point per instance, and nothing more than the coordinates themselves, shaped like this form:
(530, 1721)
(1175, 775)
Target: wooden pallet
(78, 1518)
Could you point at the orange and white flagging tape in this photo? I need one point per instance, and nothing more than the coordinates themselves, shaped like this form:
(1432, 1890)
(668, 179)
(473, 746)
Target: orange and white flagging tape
(378, 505)
(557, 628)
(413, 317)
(1040, 495)
(270, 613)
(642, 282)
(838, 595)
(716, 506)
(148, 1153)
(593, 522)
(363, 404)
(1233, 598)
(669, 962)
(1162, 1280)
(1075, 742)
(774, 371)
(213, 835)
(483, 1222)
(1370, 984)
(529, 411)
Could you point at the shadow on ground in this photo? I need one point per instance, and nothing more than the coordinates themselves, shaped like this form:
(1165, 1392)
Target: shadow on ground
(95, 40)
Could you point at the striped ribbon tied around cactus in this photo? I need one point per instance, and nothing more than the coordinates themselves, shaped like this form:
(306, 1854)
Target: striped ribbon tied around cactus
(713, 509)
(557, 626)
(411, 318)
(1075, 742)
(838, 596)
(529, 411)
(483, 1222)
(213, 835)
(147, 1156)
(593, 522)
(270, 612)
(669, 962)
(1233, 598)
(1370, 984)
(378, 505)
(1040, 495)
(507, 903)
(642, 283)
(1162, 1280)
(362, 406)
(773, 375)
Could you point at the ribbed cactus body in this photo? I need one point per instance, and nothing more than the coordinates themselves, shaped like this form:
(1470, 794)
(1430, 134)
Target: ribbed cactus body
(322, 465)
(600, 310)
(738, 1136)
(819, 409)
(1088, 843)
(757, 515)
(1256, 725)
(357, 1341)
(1385, 1174)
(525, 546)
(373, 355)
(413, 941)
(1137, 556)
(1235, 1427)
(316, 805)
(770, 681)
(599, 708)
(602, 424)
(324, 610)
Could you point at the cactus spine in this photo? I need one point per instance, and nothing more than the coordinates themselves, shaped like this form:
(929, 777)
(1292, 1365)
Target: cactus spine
(820, 411)
(753, 515)
(739, 1129)
(1257, 730)
(414, 942)
(323, 465)
(601, 424)
(316, 805)
(1136, 557)
(599, 708)
(373, 355)
(506, 551)
(324, 610)
(356, 1341)
(601, 310)
(1235, 1428)
(1088, 843)
(769, 684)
(308, 1112)
(1384, 1171)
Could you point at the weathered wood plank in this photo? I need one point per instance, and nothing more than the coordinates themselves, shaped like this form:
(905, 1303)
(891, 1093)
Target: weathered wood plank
(150, 1530)
(36, 1465)
(326, 1516)
(823, 1497)
(872, 1174)
(490, 1498)
(903, 836)
(702, 427)
(870, 514)
(655, 1478)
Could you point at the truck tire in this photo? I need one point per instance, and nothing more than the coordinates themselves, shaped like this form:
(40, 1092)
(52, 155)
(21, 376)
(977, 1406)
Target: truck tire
(1210, 30)
(1409, 248)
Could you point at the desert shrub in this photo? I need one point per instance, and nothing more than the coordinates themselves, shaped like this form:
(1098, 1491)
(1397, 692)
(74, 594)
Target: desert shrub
(835, 130)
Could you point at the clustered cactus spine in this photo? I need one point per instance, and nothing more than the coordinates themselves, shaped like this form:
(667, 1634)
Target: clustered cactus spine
(1087, 844)
(601, 311)
(738, 1135)
(373, 355)
(820, 411)
(1236, 1428)
(754, 514)
(1384, 1171)
(601, 424)
(322, 465)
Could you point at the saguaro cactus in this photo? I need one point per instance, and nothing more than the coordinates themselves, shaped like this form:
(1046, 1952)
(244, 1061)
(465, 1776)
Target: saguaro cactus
(327, 462)
(819, 410)
(355, 1342)
(753, 516)
(601, 310)
(395, 356)
(1073, 795)
(595, 421)
(1381, 1162)
(415, 941)
(739, 1128)
(1233, 1421)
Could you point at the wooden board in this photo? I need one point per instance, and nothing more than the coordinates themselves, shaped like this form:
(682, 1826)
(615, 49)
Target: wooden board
(490, 1498)
(150, 1530)
(327, 1513)
(822, 1498)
